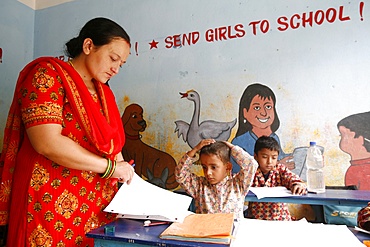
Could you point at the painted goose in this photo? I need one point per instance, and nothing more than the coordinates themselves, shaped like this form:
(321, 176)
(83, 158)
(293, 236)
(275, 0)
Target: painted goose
(194, 132)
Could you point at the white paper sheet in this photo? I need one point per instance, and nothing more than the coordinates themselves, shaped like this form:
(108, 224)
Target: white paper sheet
(278, 191)
(361, 230)
(292, 234)
(143, 200)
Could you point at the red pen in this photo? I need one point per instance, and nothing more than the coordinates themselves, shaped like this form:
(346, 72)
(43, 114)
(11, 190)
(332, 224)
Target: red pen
(131, 162)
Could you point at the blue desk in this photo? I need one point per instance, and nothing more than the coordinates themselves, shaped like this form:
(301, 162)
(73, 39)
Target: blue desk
(330, 197)
(360, 235)
(129, 232)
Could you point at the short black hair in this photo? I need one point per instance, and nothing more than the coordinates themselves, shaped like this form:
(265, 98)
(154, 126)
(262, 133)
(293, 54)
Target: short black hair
(266, 142)
(218, 148)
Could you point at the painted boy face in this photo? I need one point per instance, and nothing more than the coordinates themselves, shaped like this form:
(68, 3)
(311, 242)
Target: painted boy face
(267, 159)
(349, 143)
(213, 168)
(261, 112)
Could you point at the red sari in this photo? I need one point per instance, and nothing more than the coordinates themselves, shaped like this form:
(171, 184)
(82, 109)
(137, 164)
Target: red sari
(46, 204)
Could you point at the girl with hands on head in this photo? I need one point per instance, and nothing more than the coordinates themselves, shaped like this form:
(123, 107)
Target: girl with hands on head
(199, 146)
(218, 191)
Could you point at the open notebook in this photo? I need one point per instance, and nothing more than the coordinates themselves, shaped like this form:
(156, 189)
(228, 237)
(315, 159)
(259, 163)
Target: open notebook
(143, 200)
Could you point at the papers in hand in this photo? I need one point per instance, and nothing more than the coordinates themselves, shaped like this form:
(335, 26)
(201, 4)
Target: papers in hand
(143, 200)
(278, 191)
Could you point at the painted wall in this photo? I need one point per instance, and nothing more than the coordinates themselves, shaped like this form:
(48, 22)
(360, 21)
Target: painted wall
(16, 49)
(318, 70)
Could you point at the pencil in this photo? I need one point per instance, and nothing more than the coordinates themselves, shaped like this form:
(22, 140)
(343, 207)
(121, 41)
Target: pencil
(156, 223)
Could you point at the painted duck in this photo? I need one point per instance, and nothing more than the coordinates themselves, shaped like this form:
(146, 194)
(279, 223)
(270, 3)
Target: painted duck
(194, 132)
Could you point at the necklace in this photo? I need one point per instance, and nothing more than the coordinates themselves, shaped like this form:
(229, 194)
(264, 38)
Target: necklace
(70, 63)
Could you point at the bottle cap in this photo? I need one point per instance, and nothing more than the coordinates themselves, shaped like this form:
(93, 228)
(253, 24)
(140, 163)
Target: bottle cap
(312, 143)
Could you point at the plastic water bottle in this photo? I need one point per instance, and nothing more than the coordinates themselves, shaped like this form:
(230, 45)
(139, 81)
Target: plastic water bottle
(315, 172)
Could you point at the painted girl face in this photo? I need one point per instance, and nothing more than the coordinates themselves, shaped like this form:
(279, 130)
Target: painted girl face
(213, 168)
(261, 112)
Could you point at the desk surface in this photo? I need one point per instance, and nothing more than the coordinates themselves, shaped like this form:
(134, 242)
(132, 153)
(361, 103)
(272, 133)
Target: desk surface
(129, 232)
(330, 197)
(132, 232)
(360, 235)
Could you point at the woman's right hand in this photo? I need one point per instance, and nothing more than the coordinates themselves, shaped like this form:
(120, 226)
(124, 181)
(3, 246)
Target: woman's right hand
(124, 172)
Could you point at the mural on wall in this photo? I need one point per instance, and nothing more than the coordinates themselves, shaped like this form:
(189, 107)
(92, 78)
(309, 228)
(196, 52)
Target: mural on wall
(355, 141)
(294, 154)
(192, 133)
(257, 117)
(153, 165)
(256, 27)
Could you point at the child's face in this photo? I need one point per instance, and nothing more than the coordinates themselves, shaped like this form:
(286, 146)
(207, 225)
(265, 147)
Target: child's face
(266, 159)
(213, 168)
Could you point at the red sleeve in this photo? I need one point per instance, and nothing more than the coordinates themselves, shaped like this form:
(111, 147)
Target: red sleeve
(41, 96)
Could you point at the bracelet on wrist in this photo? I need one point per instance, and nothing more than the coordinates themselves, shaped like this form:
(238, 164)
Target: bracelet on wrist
(111, 167)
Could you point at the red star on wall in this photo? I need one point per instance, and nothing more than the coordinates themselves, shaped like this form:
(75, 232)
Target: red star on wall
(153, 44)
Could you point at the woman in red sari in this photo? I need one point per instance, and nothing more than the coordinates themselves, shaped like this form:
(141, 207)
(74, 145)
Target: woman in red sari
(61, 156)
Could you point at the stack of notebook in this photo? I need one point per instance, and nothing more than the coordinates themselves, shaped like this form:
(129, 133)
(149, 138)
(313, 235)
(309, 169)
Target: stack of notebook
(207, 228)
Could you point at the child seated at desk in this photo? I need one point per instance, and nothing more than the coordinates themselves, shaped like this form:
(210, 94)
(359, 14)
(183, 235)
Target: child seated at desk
(272, 174)
(218, 191)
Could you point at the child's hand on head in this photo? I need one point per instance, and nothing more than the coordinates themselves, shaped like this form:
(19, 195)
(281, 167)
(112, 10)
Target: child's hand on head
(204, 142)
(199, 146)
(228, 144)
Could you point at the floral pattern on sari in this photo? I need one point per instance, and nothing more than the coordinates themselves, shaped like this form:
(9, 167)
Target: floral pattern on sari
(62, 203)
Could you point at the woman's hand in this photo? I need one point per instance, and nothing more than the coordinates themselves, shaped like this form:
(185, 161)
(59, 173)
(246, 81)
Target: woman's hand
(124, 172)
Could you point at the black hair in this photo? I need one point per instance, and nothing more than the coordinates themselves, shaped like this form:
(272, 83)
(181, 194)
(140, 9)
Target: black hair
(245, 102)
(266, 142)
(359, 124)
(220, 149)
(100, 30)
